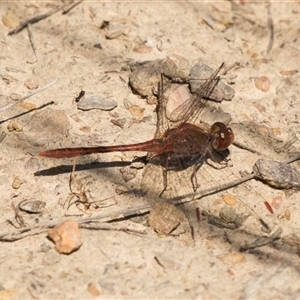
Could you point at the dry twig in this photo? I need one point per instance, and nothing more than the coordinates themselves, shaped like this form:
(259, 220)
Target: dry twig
(30, 35)
(34, 20)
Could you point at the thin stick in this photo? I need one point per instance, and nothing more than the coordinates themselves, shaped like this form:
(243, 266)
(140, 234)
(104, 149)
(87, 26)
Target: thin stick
(271, 29)
(242, 146)
(34, 20)
(30, 35)
(262, 241)
(5, 107)
(68, 7)
(113, 226)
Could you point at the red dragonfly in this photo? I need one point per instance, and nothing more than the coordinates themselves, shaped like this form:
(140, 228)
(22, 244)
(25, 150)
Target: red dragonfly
(173, 143)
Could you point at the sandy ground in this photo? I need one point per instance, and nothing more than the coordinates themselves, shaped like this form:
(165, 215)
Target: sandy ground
(129, 260)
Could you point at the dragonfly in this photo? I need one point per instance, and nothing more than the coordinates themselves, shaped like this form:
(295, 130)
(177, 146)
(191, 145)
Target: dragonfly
(178, 144)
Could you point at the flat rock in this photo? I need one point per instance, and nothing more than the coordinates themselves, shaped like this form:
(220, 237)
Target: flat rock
(277, 174)
(96, 102)
(66, 236)
(221, 92)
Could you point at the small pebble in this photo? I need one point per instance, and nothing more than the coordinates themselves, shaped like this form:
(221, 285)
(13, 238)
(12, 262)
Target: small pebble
(121, 190)
(45, 247)
(26, 105)
(98, 46)
(32, 59)
(17, 183)
(145, 76)
(137, 165)
(7, 79)
(15, 97)
(288, 72)
(32, 206)
(277, 202)
(228, 214)
(136, 111)
(259, 106)
(262, 83)
(14, 125)
(113, 34)
(119, 122)
(93, 290)
(128, 173)
(169, 262)
(85, 129)
(115, 30)
(229, 199)
(66, 236)
(142, 48)
(75, 117)
(31, 84)
(232, 258)
(287, 214)
(96, 102)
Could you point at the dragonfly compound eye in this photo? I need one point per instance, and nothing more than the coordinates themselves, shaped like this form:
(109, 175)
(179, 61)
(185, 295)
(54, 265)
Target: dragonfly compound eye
(224, 136)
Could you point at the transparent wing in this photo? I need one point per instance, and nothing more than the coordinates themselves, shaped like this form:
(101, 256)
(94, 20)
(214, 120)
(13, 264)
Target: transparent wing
(178, 188)
(191, 108)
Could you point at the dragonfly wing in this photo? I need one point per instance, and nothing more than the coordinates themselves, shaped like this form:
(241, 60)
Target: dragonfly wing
(190, 109)
(174, 219)
(163, 124)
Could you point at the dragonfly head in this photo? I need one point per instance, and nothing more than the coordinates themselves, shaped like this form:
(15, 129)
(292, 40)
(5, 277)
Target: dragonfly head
(224, 136)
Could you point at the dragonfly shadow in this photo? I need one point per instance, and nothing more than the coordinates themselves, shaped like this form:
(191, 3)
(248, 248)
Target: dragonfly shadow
(62, 169)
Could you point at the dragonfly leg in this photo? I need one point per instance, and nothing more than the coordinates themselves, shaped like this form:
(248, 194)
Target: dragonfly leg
(165, 181)
(165, 175)
(196, 167)
(225, 163)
